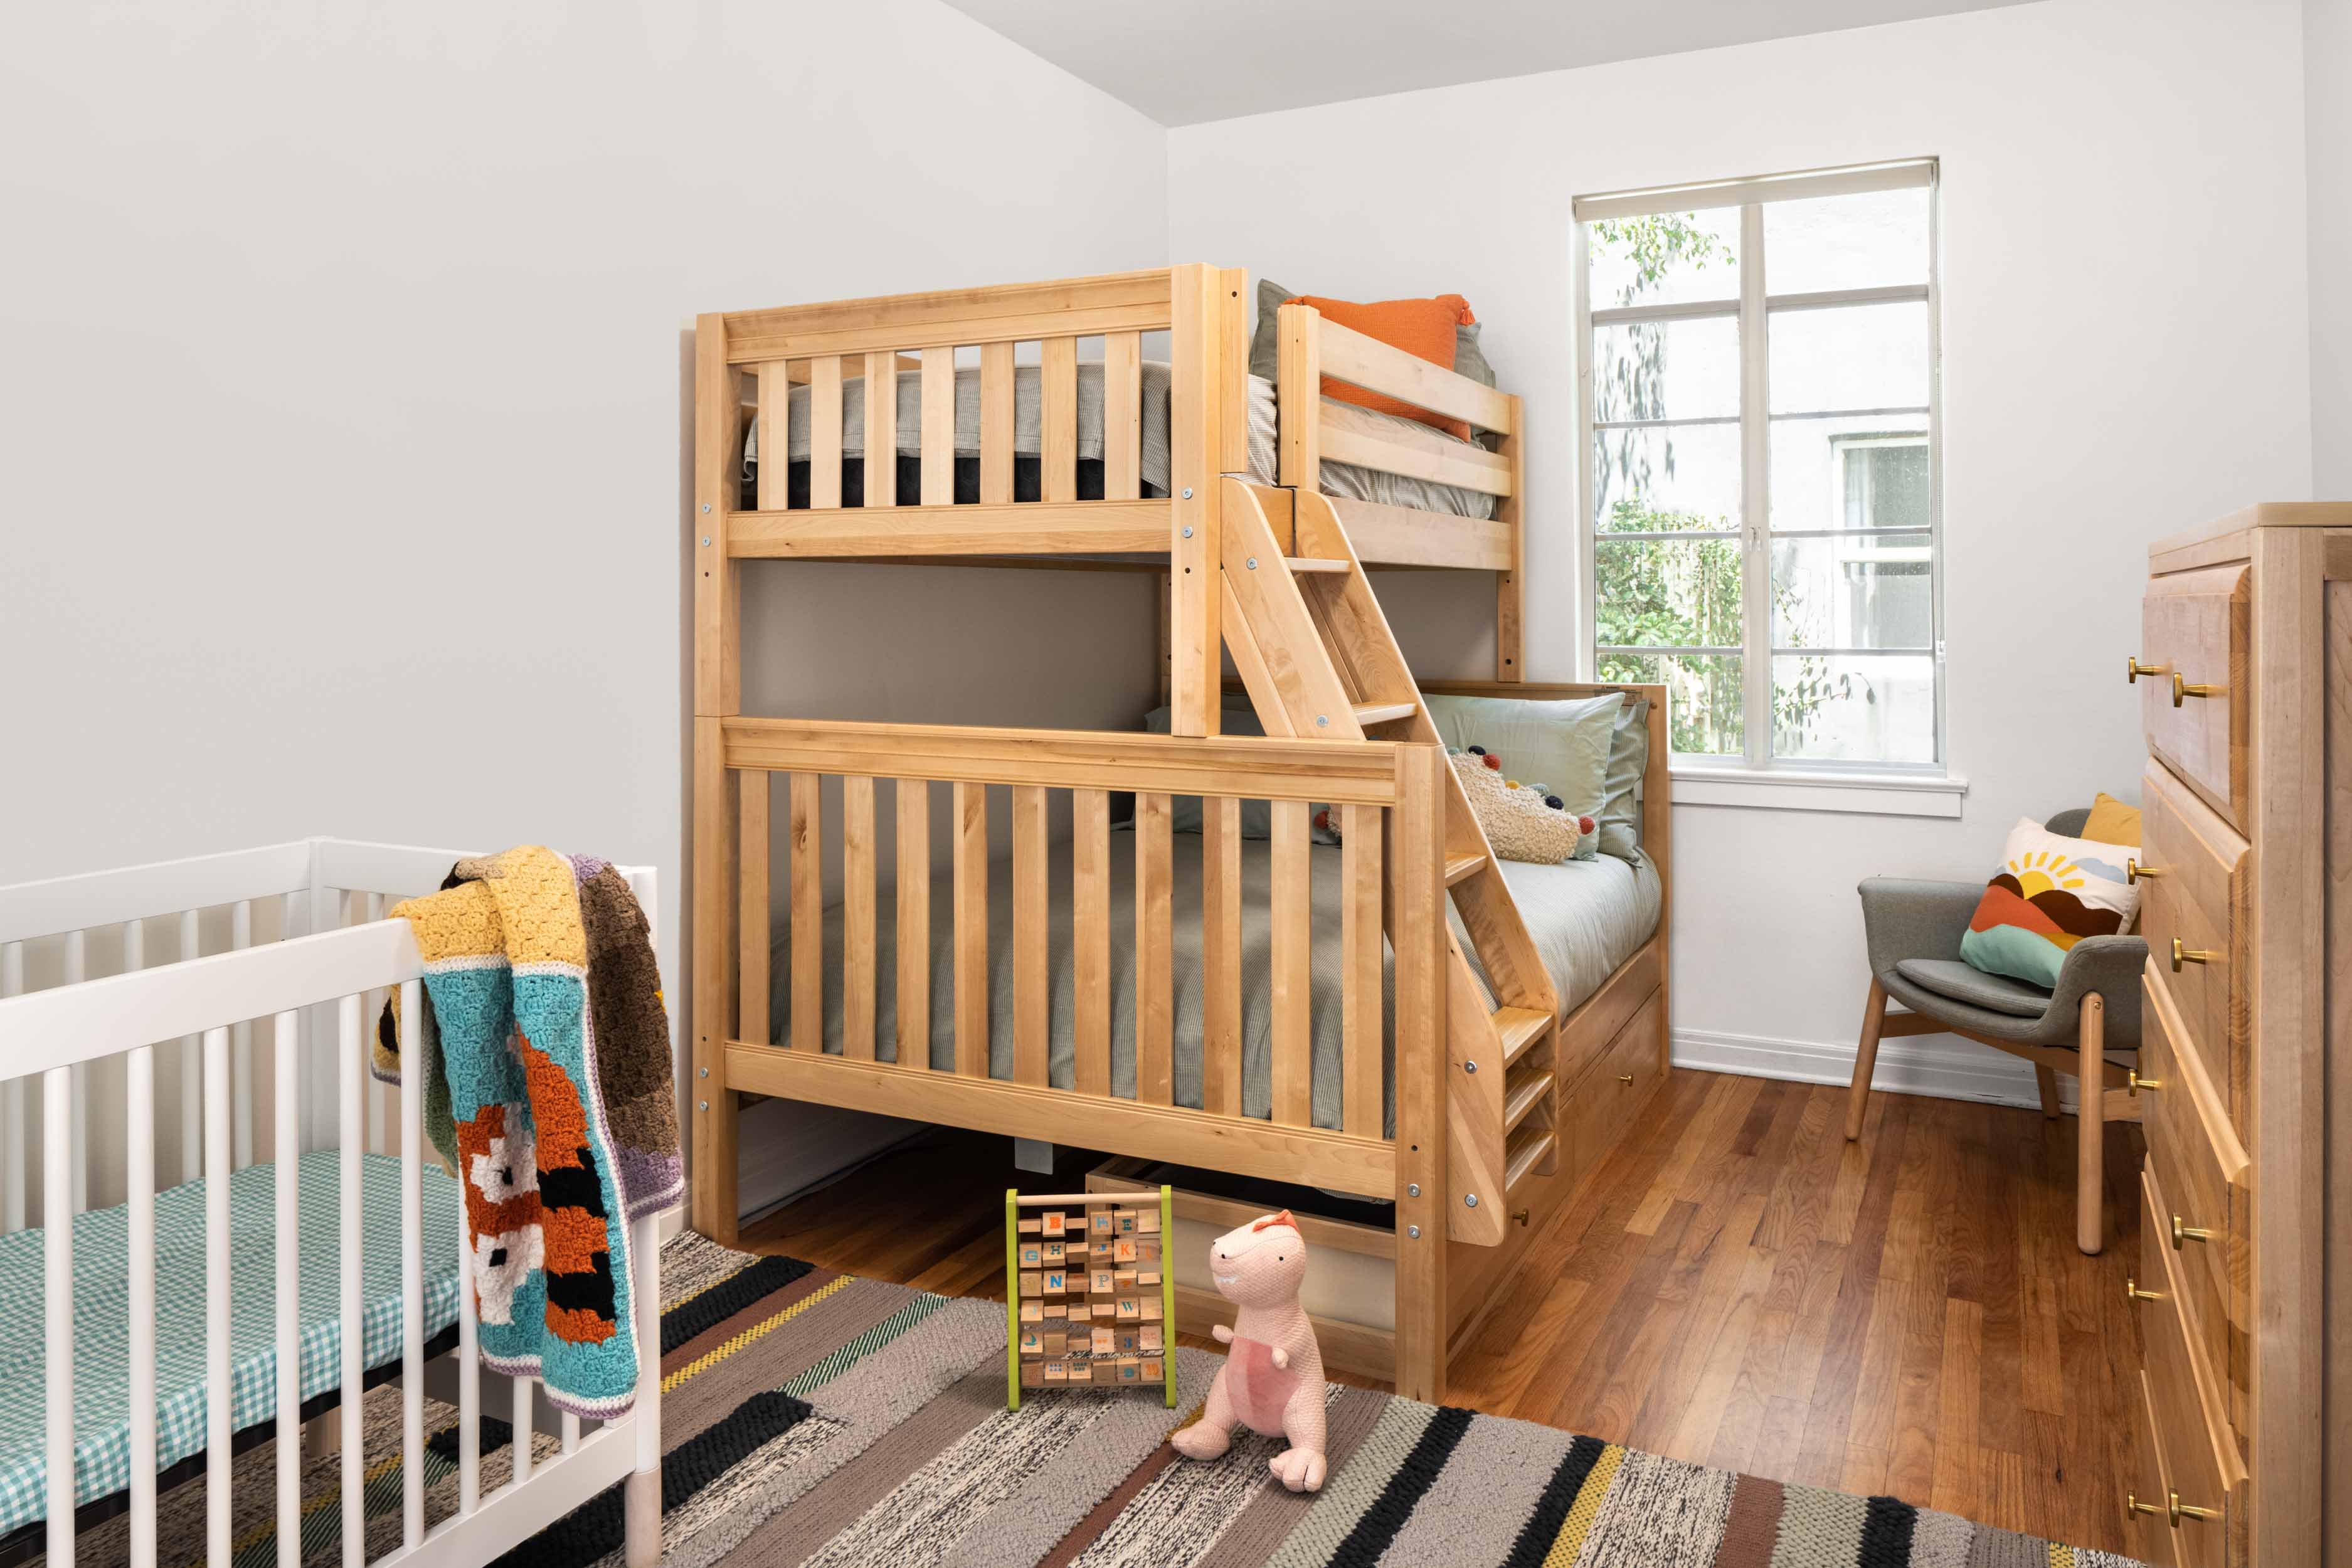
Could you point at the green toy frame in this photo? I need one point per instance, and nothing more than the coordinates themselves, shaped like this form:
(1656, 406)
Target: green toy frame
(1014, 1202)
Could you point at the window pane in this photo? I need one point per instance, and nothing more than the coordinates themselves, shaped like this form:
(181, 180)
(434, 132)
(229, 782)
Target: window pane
(1873, 590)
(1846, 242)
(1667, 370)
(1665, 477)
(1704, 696)
(1872, 707)
(1666, 258)
(1854, 356)
(1871, 472)
(1667, 593)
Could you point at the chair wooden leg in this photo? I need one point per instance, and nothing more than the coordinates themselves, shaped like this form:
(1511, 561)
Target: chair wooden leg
(2090, 1163)
(2047, 1082)
(1865, 1057)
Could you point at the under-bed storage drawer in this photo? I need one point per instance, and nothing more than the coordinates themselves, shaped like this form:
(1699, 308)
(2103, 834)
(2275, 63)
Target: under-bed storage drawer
(2196, 665)
(1597, 1108)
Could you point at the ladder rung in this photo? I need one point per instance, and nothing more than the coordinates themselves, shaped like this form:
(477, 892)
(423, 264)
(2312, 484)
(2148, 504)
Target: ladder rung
(1523, 1154)
(1526, 1098)
(1381, 712)
(1520, 1027)
(1314, 563)
(1461, 867)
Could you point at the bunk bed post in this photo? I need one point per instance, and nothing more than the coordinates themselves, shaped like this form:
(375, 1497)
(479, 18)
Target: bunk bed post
(718, 696)
(1416, 858)
(1205, 436)
(1299, 387)
(1511, 592)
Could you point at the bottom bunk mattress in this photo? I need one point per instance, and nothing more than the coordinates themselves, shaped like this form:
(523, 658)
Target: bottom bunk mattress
(102, 1317)
(1586, 918)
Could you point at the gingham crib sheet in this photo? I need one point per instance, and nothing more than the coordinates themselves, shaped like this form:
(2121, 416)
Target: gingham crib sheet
(101, 1321)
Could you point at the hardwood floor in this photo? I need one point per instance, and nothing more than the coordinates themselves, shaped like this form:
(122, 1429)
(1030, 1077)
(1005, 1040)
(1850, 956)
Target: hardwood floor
(1735, 1285)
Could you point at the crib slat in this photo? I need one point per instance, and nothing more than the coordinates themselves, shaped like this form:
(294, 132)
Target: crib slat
(754, 928)
(1221, 955)
(1155, 999)
(882, 429)
(523, 1417)
(1292, 920)
(139, 1172)
(1090, 937)
(775, 435)
(571, 1433)
(857, 919)
(914, 944)
(350, 1085)
(77, 1097)
(287, 1115)
(939, 426)
(56, 1275)
(824, 431)
(1122, 415)
(382, 1137)
(808, 912)
(16, 1127)
(1058, 412)
(293, 922)
(1031, 1010)
(240, 937)
(1361, 877)
(642, 1496)
(191, 1067)
(972, 930)
(996, 422)
(218, 1147)
(412, 1268)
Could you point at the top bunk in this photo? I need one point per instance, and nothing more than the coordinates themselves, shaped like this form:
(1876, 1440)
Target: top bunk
(1080, 421)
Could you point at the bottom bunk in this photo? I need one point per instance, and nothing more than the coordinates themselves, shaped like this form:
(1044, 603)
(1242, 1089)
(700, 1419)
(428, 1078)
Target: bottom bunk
(100, 1340)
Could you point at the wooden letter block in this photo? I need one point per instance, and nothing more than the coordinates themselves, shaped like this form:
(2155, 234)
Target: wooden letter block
(1032, 1282)
(1032, 1255)
(1126, 1222)
(1054, 1344)
(1101, 1343)
(1123, 1251)
(1125, 1341)
(1101, 1223)
(1058, 1372)
(1150, 1369)
(1146, 1222)
(1032, 1311)
(1147, 1276)
(1129, 1372)
(1056, 1283)
(1030, 1227)
(1149, 1337)
(1056, 1221)
(1057, 1310)
(1147, 1250)
(1127, 1279)
(1082, 1371)
(1130, 1308)
(1152, 1309)
(1053, 1252)
(1033, 1373)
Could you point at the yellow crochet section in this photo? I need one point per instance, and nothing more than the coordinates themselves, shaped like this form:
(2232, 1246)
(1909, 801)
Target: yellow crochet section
(522, 905)
(1585, 1510)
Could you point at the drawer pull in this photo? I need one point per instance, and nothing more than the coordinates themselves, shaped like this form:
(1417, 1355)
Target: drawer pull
(2134, 1083)
(1519, 1216)
(2134, 669)
(2181, 1232)
(2132, 1292)
(2181, 955)
(2181, 689)
(2134, 871)
(2172, 1508)
(1625, 1077)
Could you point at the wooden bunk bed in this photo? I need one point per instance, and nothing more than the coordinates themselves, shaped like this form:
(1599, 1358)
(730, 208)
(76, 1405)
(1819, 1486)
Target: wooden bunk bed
(1498, 1103)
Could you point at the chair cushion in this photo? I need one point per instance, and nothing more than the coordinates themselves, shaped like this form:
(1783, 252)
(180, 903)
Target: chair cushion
(1994, 993)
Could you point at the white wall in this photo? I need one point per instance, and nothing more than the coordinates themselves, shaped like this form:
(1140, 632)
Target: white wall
(2125, 354)
(341, 382)
(2327, 102)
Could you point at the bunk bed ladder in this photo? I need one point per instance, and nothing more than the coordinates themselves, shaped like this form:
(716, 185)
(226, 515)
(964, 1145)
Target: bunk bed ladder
(1316, 652)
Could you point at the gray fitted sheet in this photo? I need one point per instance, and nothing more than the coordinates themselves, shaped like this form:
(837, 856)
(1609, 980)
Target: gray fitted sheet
(1586, 917)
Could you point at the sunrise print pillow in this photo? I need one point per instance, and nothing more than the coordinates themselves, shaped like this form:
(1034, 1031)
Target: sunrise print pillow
(2049, 893)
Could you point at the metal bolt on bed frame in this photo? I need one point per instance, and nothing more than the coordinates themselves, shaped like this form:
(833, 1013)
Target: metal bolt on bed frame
(1413, 1231)
(1188, 492)
(1469, 1200)
(1412, 1189)
(1469, 1067)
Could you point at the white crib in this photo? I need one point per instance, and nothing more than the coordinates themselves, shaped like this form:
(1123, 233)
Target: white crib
(89, 1050)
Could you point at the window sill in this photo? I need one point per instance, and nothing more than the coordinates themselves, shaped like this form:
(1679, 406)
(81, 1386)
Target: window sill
(1871, 794)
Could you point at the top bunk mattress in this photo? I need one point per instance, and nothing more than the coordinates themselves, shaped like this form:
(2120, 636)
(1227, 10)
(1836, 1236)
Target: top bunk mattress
(1344, 480)
(1587, 917)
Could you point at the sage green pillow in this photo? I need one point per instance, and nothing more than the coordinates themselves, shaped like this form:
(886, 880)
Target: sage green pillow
(1621, 800)
(1562, 745)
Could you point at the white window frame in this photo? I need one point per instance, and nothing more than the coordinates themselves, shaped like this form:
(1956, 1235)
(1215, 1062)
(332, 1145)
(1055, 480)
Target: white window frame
(1912, 788)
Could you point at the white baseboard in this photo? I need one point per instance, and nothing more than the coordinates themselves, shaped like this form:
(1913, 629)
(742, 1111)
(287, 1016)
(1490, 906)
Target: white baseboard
(1935, 1065)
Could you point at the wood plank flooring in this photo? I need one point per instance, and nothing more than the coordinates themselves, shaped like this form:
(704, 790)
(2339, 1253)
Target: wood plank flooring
(1734, 1284)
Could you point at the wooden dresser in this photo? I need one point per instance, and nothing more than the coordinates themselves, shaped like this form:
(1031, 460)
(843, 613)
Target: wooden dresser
(2244, 1085)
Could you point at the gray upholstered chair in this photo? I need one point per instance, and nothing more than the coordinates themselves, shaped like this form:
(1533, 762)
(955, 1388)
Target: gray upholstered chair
(1913, 932)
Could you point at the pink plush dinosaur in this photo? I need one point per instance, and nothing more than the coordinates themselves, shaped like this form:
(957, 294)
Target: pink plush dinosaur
(1272, 1380)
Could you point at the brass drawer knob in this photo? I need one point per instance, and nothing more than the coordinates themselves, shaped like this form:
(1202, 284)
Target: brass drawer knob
(2134, 669)
(2132, 1505)
(2172, 1508)
(1625, 1077)
(2181, 1232)
(2132, 1292)
(1519, 1216)
(2134, 1083)
(2181, 689)
(2181, 955)
(2134, 870)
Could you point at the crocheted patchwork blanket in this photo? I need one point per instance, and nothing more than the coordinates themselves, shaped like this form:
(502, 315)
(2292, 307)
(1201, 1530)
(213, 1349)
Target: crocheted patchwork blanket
(548, 1086)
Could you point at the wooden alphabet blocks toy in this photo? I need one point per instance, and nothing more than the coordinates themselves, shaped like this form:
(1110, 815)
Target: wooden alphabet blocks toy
(1086, 1297)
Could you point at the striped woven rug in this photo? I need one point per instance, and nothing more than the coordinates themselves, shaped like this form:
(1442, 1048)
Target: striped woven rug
(815, 1418)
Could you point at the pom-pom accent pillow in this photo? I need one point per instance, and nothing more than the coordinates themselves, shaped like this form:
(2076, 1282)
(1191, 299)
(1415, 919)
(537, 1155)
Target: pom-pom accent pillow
(1522, 821)
(2049, 893)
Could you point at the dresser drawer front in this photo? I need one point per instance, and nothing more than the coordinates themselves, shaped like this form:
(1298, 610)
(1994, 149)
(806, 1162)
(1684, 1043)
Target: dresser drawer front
(2150, 1535)
(2201, 1459)
(2196, 625)
(2198, 893)
(2200, 1168)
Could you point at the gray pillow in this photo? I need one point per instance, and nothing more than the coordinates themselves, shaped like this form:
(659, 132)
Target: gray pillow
(1265, 343)
(1257, 816)
(1562, 745)
(1620, 804)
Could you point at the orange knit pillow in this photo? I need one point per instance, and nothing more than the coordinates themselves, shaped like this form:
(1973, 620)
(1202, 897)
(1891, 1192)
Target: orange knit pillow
(1423, 327)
